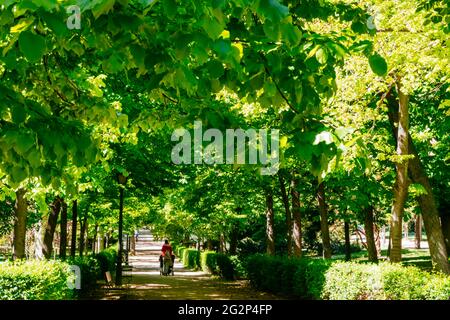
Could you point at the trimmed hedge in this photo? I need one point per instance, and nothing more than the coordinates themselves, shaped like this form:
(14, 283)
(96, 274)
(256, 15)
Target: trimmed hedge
(90, 270)
(324, 279)
(384, 281)
(217, 264)
(107, 260)
(191, 258)
(35, 280)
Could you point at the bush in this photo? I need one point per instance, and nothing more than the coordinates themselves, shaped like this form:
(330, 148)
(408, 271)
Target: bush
(208, 261)
(179, 251)
(191, 258)
(217, 264)
(35, 280)
(353, 281)
(107, 260)
(90, 270)
(238, 263)
(324, 279)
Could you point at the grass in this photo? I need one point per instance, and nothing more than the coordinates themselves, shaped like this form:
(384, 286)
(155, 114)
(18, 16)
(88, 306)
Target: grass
(410, 257)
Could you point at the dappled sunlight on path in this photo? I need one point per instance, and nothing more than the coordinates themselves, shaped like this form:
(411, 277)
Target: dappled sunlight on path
(147, 283)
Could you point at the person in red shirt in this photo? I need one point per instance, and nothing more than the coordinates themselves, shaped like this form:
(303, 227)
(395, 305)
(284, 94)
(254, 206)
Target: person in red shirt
(166, 251)
(166, 248)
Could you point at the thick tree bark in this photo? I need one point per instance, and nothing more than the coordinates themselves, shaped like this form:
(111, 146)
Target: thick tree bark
(222, 247)
(285, 198)
(418, 231)
(20, 224)
(296, 218)
(63, 226)
(47, 247)
(348, 248)
(430, 214)
(401, 181)
(370, 236)
(446, 232)
(83, 227)
(324, 227)
(73, 246)
(270, 218)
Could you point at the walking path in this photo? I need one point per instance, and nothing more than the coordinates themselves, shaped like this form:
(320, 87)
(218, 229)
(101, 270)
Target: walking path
(147, 283)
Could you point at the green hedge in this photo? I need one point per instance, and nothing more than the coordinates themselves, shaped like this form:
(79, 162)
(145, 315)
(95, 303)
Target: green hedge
(384, 281)
(90, 270)
(323, 279)
(217, 264)
(107, 260)
(179, 251)
(191, 258)
(35, 280)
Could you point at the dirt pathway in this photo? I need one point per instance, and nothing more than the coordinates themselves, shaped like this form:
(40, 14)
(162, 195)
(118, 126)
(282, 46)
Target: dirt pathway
(147, 283)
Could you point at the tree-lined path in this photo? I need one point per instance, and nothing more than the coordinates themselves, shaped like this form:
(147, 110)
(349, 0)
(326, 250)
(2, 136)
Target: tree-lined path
(148, 284)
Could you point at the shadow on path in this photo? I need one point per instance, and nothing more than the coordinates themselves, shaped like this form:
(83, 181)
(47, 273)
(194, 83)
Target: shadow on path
(147, 283)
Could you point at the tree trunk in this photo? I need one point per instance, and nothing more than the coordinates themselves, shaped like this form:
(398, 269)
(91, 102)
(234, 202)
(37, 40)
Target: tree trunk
(83, 227)
(63, 226)
(285, 198)
(401, 180)
(234, 238)
(270, 217)
(370, 236)
(94, 239)
(222, 247)
(348, 248)
(446, 231)
(430, 214)
(20, 224)
(418, 231)
(324, 228)
(38, 241)
(73, 246)
(47, 247)
(209, 244)
(296, 217)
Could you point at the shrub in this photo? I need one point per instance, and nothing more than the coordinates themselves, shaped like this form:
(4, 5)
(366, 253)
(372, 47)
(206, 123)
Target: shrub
(218, 264)
(311, 275)
(179, 251)
(384, 281)
(35, 280)
(208, 261)
(191, 258)
(107, 260)
(225, 266)
(90, 270)
(238, 263)
(352, 281)
(325, 279)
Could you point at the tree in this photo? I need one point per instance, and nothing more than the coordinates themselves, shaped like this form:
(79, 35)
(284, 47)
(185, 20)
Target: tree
(20, 209)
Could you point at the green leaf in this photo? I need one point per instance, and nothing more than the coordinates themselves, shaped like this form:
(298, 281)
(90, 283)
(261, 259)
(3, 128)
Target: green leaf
(272, 10)
(322, 55)
(102, 7)
(56, 23)
(18, 113)
(212, 27)
(24, 142)
(32, 46)
(22, 25)
(215, 69)
(18, 174)
(378, 64)
(170, 8)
